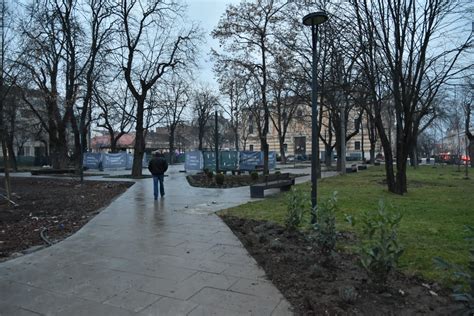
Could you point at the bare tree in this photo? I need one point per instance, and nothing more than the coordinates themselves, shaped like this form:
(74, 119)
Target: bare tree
(205, 101)
(175, 98)
(397, 40)
(468, 104)
(284, 99)
(152, 45)
(233, 85)
(114, 112)
(245, 32)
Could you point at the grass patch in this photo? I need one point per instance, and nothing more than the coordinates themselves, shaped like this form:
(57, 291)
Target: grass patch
(438, 205)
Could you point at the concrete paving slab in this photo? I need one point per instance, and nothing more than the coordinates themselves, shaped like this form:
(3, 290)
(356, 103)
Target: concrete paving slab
(259, 288)
(168, 307)
(8, 309)
(133, 300)
(138, 256)
(215, 311)
(234, 301)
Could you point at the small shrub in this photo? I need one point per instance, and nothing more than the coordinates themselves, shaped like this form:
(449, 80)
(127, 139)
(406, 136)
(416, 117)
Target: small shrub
(379, 255)
(296, 209)
(464, 288)
(254, 175)
(209, 173)
(276, 245)
(316, 271)
(220, 178)
(325, 227)
(348, 294)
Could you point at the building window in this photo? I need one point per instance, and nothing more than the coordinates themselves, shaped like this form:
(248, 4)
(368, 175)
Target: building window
(285, 147)
(251, 147)
(250, 128)
(357, 124)
(357, 145)
(299, 113)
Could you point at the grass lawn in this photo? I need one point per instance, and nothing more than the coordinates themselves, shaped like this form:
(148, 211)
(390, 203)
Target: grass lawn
(438, 205)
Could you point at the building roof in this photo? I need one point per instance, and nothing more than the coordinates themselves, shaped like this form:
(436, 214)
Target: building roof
(126, 141)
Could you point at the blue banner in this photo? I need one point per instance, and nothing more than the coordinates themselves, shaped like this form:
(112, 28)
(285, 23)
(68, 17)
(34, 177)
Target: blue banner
(193, 161)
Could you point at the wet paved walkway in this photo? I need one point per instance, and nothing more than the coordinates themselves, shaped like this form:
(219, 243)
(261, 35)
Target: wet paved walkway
(141, 257)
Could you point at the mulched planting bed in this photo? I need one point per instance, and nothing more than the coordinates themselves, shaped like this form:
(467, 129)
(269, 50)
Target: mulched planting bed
(316, 285)
(231, 181)
(59, 205)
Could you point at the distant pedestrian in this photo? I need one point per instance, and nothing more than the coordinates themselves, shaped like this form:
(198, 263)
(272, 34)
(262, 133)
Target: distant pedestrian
(158, 166)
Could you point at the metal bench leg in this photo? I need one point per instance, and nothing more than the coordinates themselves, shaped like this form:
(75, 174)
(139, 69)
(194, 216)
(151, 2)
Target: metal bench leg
(285, 188)
(256, 192)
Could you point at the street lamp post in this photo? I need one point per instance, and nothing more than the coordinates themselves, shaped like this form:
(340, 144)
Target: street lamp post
(216, 130)
(313, 20)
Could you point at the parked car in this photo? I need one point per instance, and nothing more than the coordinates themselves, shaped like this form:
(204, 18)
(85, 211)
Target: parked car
(301, 157)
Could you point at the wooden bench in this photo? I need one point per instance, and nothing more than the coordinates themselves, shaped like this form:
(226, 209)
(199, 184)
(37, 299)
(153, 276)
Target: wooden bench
(284, 182)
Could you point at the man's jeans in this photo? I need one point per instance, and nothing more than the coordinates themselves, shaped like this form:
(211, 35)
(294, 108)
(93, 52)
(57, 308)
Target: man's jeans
(155, 185)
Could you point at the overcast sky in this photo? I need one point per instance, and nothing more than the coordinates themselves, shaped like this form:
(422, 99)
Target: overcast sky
(207, 13)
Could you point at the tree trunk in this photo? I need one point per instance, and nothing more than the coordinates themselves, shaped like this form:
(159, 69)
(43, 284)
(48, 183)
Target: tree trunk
(281, 141)
(77, 152)
(200, 136)
(401, 178)
(171, 146)
(265, 149)
(328, 155)
(12, 155)
(372, 152)
(339, 151)
(413, 158)
(139, 147)
(471, 151)
(387, 149)
(6, 166)
(58, 152)
(113, 145)
(236, 132)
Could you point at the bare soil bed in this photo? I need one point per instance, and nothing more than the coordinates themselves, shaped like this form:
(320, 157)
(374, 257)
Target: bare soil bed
(316, 285)
(55, 207)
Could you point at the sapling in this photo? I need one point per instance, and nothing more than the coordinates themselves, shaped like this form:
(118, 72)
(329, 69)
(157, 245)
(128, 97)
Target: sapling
(325, 227)
(380, 250)
(296, 209)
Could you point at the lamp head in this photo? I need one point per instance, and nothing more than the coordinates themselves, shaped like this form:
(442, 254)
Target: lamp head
(315, 18)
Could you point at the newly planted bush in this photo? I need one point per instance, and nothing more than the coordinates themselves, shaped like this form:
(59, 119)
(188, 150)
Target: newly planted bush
(220, 178)
(209, 173)
(325, 227)
(348, 294)
(464, 289)
(296, 209)
(254, 175)
(380, 253)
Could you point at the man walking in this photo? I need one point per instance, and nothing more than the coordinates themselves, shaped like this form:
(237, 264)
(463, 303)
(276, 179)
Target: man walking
(158, 166)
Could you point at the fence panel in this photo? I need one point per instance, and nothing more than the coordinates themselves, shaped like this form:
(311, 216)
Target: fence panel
(193, 161)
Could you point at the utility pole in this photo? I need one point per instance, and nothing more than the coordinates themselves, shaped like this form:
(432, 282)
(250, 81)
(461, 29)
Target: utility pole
(6, 158)
(216, 143)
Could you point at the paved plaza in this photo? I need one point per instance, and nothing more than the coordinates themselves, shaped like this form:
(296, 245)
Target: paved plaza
(173, 256)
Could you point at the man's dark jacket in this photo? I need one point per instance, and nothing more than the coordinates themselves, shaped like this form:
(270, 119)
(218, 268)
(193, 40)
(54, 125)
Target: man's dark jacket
(158, 166)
